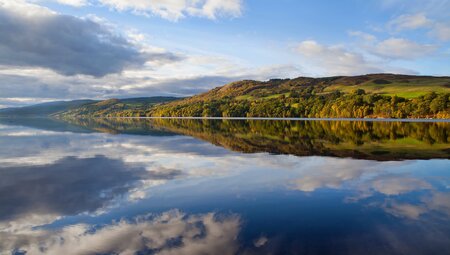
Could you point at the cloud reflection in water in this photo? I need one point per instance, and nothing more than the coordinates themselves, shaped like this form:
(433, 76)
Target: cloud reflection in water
(255, 203)
(171, 232)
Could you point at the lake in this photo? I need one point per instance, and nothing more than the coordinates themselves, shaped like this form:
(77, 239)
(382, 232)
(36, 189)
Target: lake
(185, 186)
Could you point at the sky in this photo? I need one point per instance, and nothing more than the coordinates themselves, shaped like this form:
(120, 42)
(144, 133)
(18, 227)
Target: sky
(99, 49)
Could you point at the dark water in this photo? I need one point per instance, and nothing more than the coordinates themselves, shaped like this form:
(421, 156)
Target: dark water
(223, 187)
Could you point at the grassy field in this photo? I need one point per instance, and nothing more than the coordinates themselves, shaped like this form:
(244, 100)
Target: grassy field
(249, 97)
(407, 89)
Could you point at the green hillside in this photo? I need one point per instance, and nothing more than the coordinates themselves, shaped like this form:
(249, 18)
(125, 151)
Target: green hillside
(117, 107)
(399, 85)
(375, 95)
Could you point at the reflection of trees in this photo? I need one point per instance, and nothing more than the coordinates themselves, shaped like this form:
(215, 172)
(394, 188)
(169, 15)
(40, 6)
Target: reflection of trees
(359, 139)
(119, 126)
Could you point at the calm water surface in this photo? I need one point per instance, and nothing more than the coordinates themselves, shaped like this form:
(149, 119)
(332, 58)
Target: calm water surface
(104, 186)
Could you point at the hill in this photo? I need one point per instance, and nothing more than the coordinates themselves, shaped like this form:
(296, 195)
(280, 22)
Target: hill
(43, 109)
(116, 107)
(374, 95)
(365, 96)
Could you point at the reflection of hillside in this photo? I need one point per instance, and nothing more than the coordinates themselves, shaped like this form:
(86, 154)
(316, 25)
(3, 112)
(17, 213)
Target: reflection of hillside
(119, 126)
(44, 124)
(356, 139)
(369, 140)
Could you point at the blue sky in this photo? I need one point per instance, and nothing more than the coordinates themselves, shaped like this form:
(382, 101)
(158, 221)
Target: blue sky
(67, 49)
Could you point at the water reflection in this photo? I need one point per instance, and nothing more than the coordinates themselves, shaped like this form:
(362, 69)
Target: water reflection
(357, 139)
(165, 187)
(171, 232)
(35, 195)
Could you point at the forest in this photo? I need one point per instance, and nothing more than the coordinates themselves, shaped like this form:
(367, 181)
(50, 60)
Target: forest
(305, 104)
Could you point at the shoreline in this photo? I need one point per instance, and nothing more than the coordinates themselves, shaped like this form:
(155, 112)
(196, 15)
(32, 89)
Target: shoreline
(290, 119)
(246, 118)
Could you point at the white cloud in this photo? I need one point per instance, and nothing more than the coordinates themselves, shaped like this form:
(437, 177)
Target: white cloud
(410, 22)
(76, 3)
(441, 31)
(399, 48)
(66, 44)
(335, 59)
(170, 9)
(365, 36)
(25, 9)
(438, 29)
(21, 101)
(435, 8)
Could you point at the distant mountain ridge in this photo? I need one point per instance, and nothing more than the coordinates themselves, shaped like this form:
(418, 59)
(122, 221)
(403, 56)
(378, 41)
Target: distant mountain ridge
(84, 107)
(117, 107)
(44, 109)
